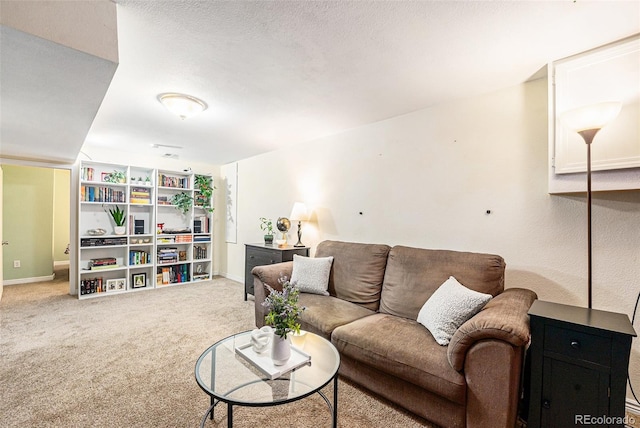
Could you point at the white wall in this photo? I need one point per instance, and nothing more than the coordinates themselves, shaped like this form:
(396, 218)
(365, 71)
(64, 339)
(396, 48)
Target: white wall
(426, 179)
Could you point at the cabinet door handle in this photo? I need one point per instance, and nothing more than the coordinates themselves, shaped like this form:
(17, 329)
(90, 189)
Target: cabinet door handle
(546, 404)
(271, 261)
(575, 344)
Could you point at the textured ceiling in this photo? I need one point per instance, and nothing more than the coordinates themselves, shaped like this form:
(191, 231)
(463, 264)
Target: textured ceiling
(276, 73)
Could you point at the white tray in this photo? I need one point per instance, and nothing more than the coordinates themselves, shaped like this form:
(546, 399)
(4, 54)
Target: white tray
(265, 364)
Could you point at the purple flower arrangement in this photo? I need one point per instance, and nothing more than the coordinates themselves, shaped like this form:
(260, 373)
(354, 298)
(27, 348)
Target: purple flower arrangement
(283, 308)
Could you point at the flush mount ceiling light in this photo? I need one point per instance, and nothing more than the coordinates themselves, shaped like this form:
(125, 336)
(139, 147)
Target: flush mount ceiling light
(182, 105)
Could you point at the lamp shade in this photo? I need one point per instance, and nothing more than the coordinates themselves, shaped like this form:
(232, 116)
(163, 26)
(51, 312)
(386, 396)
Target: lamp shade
(181, 105)
(591, 117)
(299, 212)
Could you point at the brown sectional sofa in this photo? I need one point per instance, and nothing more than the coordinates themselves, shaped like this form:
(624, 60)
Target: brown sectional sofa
(370, 316)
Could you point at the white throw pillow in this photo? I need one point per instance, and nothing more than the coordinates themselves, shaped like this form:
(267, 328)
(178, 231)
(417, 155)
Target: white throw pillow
(449, 307)
(311, 275)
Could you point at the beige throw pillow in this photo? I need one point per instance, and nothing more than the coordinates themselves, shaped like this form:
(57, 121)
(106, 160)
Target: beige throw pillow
(311, 275)
(449, 307)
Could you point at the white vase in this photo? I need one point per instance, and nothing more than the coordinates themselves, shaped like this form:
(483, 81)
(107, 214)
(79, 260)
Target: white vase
(280, 350)
(119, 230)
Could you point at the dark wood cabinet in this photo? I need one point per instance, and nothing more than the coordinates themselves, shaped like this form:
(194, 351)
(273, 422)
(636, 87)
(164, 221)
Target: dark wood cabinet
(579, 359)
(261, 254)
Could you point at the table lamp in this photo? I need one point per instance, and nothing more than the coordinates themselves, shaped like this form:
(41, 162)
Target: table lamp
(299, 213)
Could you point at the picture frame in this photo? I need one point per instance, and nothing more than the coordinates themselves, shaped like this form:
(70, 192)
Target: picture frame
(139, 280)
(112, 285)
(104, 176)
(117, 284)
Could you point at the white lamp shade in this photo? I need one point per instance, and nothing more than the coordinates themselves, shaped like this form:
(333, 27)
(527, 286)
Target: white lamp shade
(591, 117)
(182, 105)
(299, 212)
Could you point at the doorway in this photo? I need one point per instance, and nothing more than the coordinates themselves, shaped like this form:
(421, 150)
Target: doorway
(35, 223)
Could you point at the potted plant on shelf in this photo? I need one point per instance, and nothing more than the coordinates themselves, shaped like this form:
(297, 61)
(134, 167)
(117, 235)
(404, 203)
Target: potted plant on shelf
(182, 201)
(283, 317)
(266, 225)
(204, 187)
(118, 218)
(116, 177)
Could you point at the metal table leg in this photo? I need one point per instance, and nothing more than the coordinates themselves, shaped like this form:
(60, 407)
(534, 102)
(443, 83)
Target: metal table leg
(335, 402)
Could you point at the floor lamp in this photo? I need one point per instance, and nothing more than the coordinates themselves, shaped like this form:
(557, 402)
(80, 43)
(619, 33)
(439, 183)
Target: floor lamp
(587, 121)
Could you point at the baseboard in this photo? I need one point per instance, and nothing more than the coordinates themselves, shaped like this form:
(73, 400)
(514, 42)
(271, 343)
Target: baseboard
(28, 280)
(232, 277)
(61, 263)
(633, 406)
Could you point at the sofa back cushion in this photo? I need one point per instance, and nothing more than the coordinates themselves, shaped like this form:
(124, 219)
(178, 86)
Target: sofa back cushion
(357, 271)
(414, 274)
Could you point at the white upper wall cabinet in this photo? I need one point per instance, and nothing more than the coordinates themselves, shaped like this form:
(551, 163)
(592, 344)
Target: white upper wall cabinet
(608, 73)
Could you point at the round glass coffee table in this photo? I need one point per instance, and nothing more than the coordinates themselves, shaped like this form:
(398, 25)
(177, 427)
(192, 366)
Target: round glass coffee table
(228, 377)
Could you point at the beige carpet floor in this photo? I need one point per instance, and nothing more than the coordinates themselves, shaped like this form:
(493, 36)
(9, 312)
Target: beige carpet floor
(128, 361)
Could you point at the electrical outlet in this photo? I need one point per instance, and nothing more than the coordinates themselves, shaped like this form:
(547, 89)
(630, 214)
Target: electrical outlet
(16, 263)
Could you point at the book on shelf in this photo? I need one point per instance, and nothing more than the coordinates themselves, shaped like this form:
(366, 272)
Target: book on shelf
(139, 257)
(103, 267)
(101, 194)
(140, 195)
(173, 181)
(102, 261)
(92, 285)
(87, 173)
(199, 252)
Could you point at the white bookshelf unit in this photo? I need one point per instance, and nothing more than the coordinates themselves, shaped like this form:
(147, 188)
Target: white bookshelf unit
(161, 244)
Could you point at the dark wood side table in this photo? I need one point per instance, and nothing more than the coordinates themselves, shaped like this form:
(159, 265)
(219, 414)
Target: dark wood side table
(579, 363)
(261, 254)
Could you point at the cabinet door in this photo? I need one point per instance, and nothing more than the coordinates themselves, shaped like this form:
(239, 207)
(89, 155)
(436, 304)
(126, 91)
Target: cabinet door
(570, 391)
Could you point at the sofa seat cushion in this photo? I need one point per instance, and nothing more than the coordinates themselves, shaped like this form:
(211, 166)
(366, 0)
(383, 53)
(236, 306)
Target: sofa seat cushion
(323, 314)
(357, 271)
(401, 348)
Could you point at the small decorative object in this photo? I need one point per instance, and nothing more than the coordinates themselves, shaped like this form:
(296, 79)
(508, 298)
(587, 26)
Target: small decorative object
(205, 189)
(118, 218)
(282, 243)
(283, 317)
(283, 224)
(266, 225)
(160, 228)
(139, 280)
(260, 339)
(96, 232)
(182, 201)
(147, 180)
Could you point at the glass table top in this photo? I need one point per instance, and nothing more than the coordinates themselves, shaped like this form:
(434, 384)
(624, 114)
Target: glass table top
(227, 376)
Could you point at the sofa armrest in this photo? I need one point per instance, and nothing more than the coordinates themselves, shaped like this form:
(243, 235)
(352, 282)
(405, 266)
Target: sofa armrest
(267, 274)
(503, 318)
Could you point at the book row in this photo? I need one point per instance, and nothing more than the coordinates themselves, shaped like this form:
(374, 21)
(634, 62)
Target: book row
(138, 257)
(101, 194)
(172, 274)
(172, 181)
